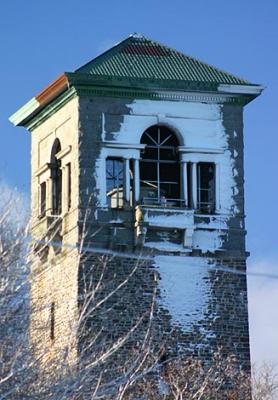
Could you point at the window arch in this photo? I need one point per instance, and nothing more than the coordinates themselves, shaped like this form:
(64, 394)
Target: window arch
(56, 174)
(159, 167)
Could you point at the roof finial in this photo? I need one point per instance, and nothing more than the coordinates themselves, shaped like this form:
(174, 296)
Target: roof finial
(136, 35)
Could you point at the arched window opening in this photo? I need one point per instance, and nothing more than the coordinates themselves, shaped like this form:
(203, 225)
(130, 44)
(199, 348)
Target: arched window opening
(56, 173)
(159, 167)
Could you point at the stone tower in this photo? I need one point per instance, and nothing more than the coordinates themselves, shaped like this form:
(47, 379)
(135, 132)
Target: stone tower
(138, 155)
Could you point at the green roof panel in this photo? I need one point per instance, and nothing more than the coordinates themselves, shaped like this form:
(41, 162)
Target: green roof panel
(140, 58)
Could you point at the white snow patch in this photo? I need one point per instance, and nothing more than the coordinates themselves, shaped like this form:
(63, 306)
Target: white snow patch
(197, 126)
(216, 222)
(183, 289)
(165, 246)
(179, 220)
(207, 240)
(116, 221)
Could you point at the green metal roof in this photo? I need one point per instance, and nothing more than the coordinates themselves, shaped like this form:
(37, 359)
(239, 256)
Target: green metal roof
(140, 58)
(141, 68)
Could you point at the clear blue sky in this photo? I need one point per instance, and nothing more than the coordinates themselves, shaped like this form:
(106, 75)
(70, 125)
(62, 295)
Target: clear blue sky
(41, 39)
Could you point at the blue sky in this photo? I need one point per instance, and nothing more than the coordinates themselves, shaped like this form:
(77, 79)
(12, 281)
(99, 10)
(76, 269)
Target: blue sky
(40, 40)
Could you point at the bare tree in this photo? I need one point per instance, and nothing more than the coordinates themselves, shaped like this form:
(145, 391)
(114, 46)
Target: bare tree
(265, 382)
(14, 305)
(117, 368)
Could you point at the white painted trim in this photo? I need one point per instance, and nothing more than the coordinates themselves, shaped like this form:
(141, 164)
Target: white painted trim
(120, 152)
(42, 169)
(63, 153)
(199, 157)
(131, 146)
(25, 111)
(241, 89)
(183, 149)
(194, 97)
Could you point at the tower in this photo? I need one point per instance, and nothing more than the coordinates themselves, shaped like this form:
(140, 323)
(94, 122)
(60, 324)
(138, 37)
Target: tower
(138, 155)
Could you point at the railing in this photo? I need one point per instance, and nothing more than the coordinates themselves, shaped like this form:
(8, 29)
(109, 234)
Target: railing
(202, 207)
(163, 202)
(206, 207)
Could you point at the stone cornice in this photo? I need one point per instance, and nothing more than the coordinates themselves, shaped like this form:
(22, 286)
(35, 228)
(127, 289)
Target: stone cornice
(140, 88)
(33, 114)
(141, 93)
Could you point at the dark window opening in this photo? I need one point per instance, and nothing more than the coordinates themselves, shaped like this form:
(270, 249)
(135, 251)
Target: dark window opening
(52, 321)
(42, 199)
(160, 168)
(206, 187)
(56, 173)
(115, 182)
(69, 185)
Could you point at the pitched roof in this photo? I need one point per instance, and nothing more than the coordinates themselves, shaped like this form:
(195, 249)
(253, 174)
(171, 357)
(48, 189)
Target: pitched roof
(136, 67)
(140, 58)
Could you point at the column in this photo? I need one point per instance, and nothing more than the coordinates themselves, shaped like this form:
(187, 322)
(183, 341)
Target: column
(184, 182)
(136, 181)
(194, 184)
(127, 181)
(217, 187)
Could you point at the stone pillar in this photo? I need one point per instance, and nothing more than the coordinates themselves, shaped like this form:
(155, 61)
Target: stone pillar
(136, 181)
(184, 182)
(127, 181)
(194, 184)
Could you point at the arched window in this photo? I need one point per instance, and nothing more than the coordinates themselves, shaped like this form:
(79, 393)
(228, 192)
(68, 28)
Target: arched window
(56, 174)
(159, 167)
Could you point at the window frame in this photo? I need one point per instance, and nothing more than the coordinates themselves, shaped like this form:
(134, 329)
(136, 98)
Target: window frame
(42, 199)
(158, 136)
(119, 199)
(207, 207)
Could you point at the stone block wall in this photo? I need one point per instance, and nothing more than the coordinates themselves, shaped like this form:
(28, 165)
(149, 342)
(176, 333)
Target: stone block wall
(200, 304)
(201, 294)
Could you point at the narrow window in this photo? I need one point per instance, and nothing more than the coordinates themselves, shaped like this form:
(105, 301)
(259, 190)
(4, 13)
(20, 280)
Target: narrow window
(56, 173)
(69, 185)
(52, 321)
(206, 187)
(42, 199)
(115, 182)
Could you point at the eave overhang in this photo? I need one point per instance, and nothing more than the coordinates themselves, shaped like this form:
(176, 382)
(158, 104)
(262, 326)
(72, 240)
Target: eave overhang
(69, 84)
(36, 104)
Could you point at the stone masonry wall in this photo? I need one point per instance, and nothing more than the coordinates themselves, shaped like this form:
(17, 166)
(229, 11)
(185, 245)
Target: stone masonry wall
(208, 314)
(55, 258)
